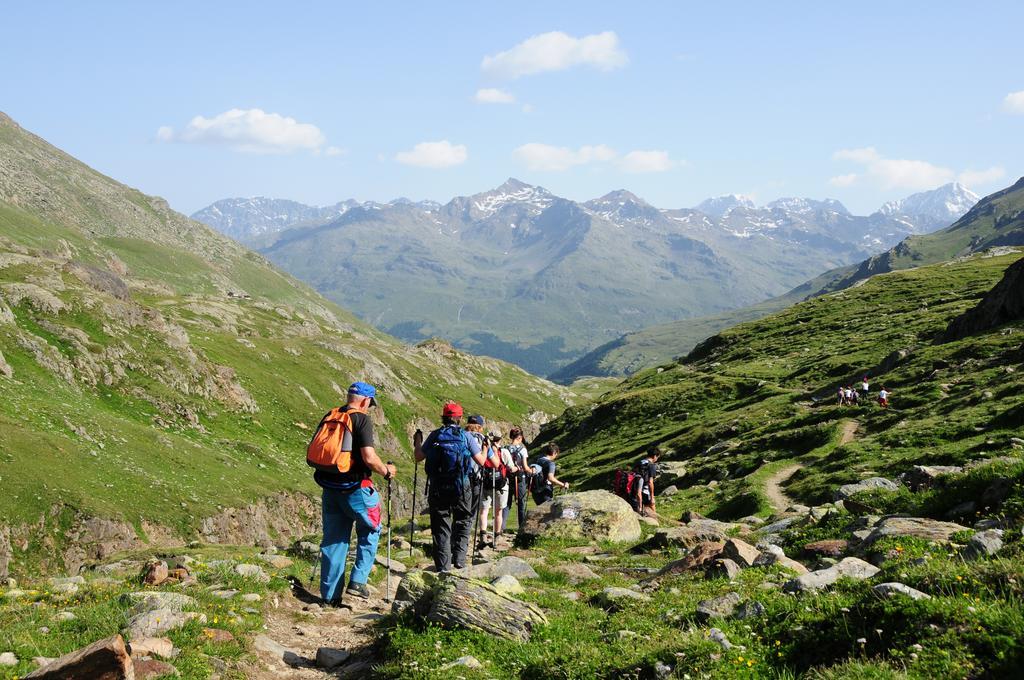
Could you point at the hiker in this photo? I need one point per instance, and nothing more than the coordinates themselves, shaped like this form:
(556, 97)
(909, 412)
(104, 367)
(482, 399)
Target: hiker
(544, 479)
(475, 429)
(842, 396)
(647, 470)
(519, 482)
(865, 387)
(853, 397)
(342, 451)
(883, 397)
(498, 476)
(449, 452)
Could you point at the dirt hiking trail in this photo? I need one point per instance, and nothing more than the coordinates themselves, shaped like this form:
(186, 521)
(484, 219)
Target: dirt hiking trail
(773, 485)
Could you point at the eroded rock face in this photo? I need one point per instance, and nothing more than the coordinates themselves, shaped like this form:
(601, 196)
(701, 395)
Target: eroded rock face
(1003, 304)
(590, 515)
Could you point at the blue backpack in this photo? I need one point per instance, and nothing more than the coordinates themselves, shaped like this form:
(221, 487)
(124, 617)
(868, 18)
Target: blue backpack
(448, 461)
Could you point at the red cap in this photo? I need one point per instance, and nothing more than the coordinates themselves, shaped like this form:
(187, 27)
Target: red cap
(452, 410)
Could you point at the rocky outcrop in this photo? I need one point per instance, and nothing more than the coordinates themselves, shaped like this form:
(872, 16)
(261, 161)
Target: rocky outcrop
(917, 527)
(279, 518)
(847, 490)
(850, 567)
(105, 659)
(452, 601)
(590, 515)
(1003, 304)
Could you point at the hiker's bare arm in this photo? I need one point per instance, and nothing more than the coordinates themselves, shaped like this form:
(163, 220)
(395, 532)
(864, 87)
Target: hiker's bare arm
(557, 482)
(480, 458)
(374, 462)
(417, 446)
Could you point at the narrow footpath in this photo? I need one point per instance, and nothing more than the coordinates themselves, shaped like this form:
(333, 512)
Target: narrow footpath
(773, 485)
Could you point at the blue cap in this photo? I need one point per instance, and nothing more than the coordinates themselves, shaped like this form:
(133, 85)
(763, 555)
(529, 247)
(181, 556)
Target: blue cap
(363, 389)
(476, 420)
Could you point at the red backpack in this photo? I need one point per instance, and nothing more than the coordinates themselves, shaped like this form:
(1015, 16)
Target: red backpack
(495, 472)
(625, 483)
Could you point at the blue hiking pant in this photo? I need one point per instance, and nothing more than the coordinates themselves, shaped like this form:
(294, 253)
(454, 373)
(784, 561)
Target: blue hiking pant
(342, 509)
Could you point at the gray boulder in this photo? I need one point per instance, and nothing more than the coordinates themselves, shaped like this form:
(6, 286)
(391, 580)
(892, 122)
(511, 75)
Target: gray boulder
(918, 527)
(614, 599)
(717, 607)
(740, 552)
(847, 490)
(850, 567)
(508, 585)
(723, 568)
(892, 589)
(590, 515)
(984, 544)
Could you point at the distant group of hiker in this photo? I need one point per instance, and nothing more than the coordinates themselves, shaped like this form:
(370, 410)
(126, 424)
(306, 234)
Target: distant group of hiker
(473, 480)
(851, 396)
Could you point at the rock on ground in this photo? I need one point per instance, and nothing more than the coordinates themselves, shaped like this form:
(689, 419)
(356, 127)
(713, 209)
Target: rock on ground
(984, 544)
(147, 601)
(618, 598)
(833, 547)
(700, 555)
(575, 572)
(158, 621)
(253, 571)
(918, 527)
(717, 607)
(153, 646)
(891, 589)
(506, 566)
(329, 658)
(740, 552)
(850, 567)
(8, 659)
(151, 668)
(847, 490)
(590, 515)
(105, 659)
(723, 568)
(464, 662)
(508, 585)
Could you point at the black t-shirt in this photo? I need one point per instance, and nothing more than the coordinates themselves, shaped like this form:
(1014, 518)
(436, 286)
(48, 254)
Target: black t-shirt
(547, 468)
(648, 470)
(362, 436)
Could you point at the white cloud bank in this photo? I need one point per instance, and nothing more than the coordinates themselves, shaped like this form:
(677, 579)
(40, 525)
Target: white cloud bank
(549, 158)
(442, 154)
(646, 161)
(556, 51)
(912, 175)
(1014, 103)
(492, 95)
(250, 131)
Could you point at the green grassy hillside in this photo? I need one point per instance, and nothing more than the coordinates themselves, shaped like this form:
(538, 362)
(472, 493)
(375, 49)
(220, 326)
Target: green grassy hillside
(156, 373)
(760, 395)
(997, 220)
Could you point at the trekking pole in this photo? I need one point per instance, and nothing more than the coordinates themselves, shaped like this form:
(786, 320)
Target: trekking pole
(412, 521)
(387, 592)
(494, 529)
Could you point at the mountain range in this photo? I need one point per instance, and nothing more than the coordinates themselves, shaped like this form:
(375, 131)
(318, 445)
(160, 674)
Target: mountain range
(521, 274)
(994, 221)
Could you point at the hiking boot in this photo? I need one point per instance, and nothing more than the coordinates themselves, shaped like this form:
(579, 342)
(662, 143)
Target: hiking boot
(331, 604)
(358, 590)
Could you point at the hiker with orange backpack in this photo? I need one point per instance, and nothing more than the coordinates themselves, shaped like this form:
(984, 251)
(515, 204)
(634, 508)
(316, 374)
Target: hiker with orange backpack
(343, 454)
(449, 453)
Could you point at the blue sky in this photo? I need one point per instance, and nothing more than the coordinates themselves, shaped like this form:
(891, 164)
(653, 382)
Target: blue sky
(674, 101)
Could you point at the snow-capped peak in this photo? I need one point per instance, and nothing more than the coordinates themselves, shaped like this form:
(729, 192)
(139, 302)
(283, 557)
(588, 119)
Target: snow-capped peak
(939, 207)
(722, 205)
(512, 191)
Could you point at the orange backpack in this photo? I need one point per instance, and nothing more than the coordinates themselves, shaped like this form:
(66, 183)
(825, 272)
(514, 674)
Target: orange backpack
(326, 451)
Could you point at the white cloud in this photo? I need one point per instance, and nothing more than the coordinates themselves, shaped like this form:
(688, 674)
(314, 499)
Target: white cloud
(977, 178)
(335, 151)
(844, 180)
(442, 154)
(536, 156)
(248, 130)
(492, 95)
(647, 161)
(556, 51)
(893, 173)
(1014, 103)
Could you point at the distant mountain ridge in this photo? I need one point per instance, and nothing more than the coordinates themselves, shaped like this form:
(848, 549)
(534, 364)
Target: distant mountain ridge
(522, 274)
(992, 222)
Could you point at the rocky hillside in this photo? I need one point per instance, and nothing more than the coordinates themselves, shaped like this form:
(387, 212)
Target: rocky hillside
(548, 277)
(995, 221)
(158, 381)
